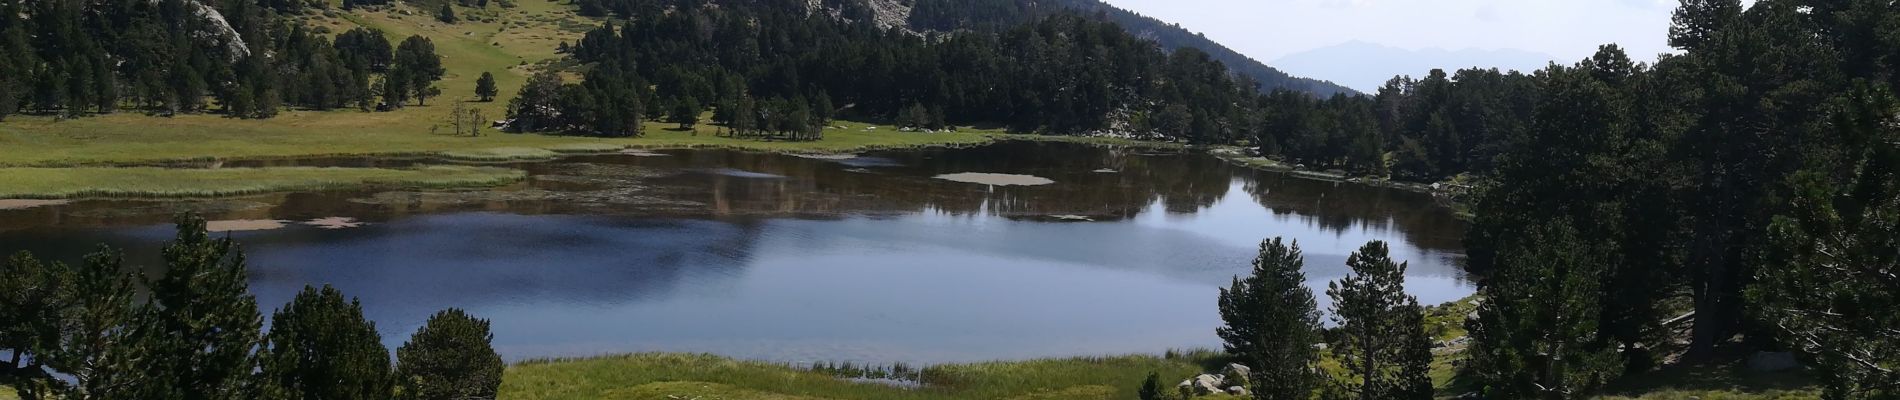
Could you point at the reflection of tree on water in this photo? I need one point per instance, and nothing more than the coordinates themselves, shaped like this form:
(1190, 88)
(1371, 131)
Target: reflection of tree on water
(1183, 183)
(721, 183)
(1341, 207)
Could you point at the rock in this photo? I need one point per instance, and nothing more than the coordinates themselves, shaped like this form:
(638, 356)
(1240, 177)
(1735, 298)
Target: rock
(1237, 391)
(1236, 370)
(1772, 361)
(1203, 384)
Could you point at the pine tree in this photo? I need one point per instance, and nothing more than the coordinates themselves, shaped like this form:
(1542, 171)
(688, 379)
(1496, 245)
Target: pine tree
(1828, 290)
(103, 303)
(822, 109)
(32, 295)
(60, 322)
(1381, 338)
(446, 14)
(417, 67)
(450, 358)
(1536, 335)
(1272, 321)
(485, 87)
(1150, 388)
(320, 347)
(196, 335)
(685, 112)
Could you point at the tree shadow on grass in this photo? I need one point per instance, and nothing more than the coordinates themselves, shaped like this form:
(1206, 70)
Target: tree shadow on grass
(1733, 376)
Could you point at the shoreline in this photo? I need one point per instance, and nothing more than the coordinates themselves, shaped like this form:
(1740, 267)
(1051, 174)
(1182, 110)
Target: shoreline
(857, 138)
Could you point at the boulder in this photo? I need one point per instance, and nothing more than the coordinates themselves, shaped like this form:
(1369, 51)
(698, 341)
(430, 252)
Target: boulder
(1772, 361)
(1236, 370)
(1205, 384)
(1237, 391)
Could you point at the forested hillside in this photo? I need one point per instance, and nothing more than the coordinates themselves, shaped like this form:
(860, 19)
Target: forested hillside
(182, 56)
(950, 15)
(756, 66)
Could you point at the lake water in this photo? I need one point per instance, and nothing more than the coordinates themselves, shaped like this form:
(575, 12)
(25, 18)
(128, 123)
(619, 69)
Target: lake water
(792, 259)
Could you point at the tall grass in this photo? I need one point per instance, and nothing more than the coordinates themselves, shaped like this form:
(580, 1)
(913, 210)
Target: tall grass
(153, 182)
(656, 375)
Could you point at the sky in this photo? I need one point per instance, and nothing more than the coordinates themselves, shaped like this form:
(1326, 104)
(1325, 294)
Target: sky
(1567, 29)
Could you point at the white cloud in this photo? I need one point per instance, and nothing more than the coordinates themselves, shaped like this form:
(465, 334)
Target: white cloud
(1567, 29)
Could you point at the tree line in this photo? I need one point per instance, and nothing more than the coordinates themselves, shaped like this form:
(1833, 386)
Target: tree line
(240, 58)
(1749, 179)
(1063, 74)
(102, 330)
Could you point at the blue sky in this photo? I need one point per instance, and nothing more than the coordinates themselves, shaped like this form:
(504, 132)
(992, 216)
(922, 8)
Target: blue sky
(1567, 29)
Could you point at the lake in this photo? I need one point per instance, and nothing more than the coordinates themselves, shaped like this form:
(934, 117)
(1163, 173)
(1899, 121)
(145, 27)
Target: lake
(794, 259)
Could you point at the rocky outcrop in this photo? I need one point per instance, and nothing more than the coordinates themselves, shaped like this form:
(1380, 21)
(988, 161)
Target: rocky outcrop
(1231, 380)
(221, 29)
(1204, 384)
(1236, 370)
(890, 13)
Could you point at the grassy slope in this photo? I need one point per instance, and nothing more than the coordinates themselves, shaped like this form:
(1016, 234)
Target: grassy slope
(508, 50)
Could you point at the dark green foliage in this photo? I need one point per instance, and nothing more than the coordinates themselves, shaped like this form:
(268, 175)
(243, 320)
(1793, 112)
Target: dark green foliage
(32, 294)
(365, 49)
(446, 14)
(822, 111)
(1272, 323)
(416, 67)
(1579, 163)
(534, 108)
(1066, 74)
(320, 347)
(1382, 342)
(81, 58)
(1829, 292)
(450, 358)
(102, 302)
(485, 87)
(685, 112)
(1150, 388)
(1536, 335)
(609, 102)
(92, 332)
(195, 337)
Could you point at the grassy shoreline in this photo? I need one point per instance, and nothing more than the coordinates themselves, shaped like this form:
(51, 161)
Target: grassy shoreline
(122, 140)
(672, 375)
(153, 182)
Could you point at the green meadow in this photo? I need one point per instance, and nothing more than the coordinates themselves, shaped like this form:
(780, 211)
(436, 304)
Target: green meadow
(66, 155)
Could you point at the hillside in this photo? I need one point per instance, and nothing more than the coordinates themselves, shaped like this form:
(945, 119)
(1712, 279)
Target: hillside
(945, 15)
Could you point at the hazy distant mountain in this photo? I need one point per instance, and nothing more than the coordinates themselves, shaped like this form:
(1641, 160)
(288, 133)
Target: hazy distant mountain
(1366, 66)
(946, 15)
